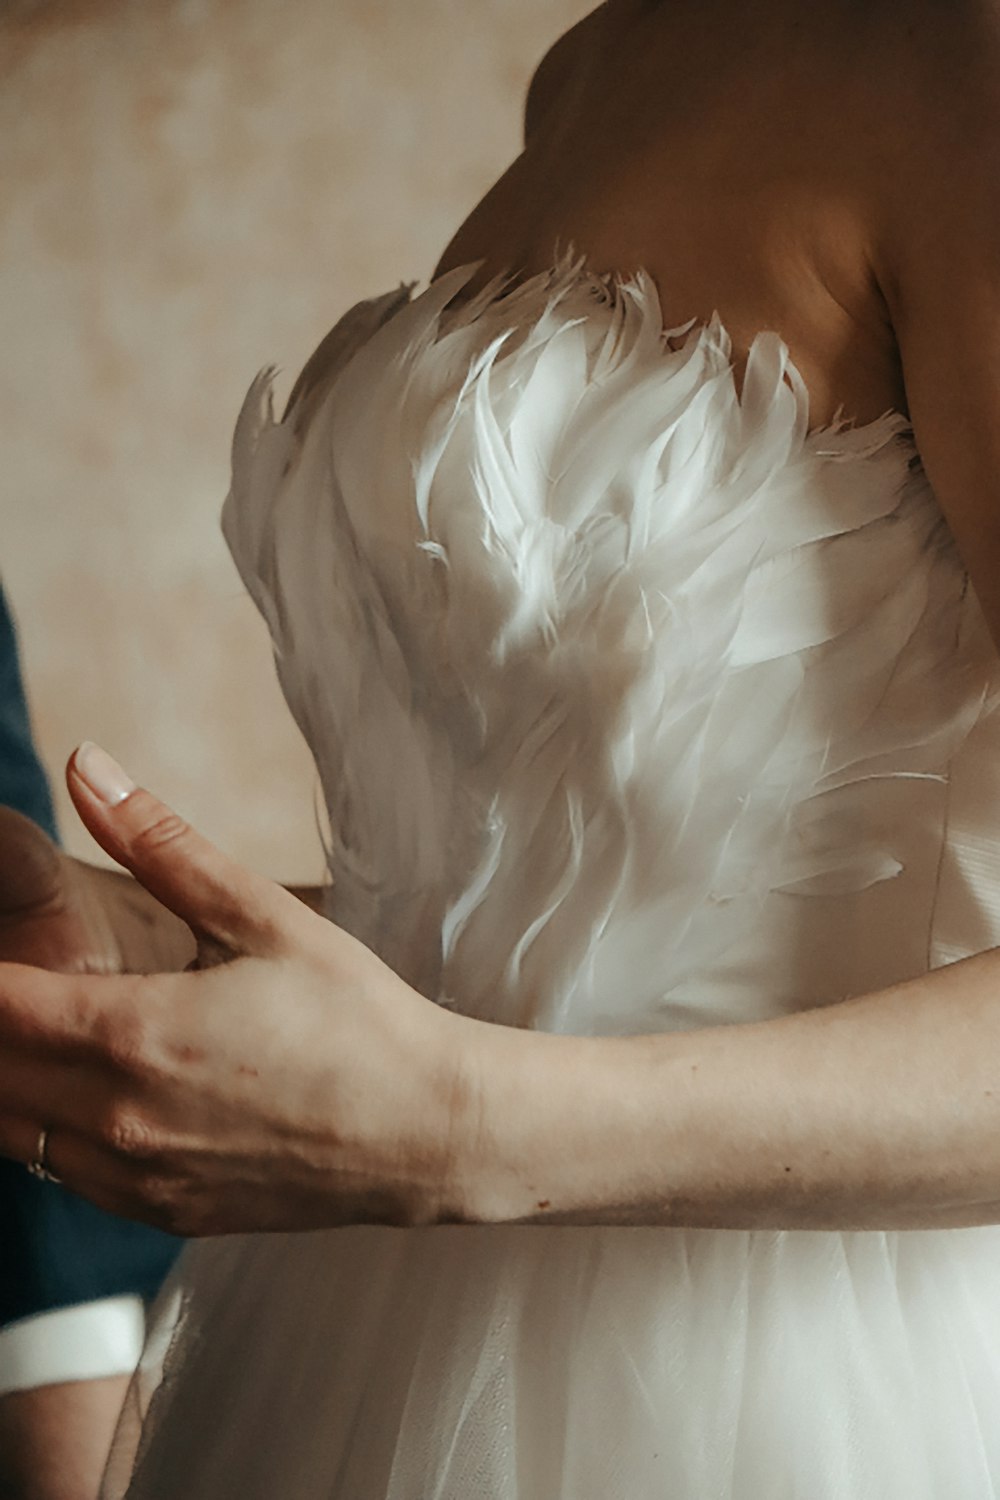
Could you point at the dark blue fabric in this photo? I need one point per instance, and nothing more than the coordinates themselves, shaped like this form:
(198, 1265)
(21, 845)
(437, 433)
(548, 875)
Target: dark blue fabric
(55, 1249)
(22, 781)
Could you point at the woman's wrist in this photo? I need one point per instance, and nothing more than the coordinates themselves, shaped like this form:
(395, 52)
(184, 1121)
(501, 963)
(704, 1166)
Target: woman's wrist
(514, 1161)
(553, 1130)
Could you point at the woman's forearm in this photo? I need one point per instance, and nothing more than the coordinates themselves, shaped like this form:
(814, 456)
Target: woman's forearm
(882, 1112)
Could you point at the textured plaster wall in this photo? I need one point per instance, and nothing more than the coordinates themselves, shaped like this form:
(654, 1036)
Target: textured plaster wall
(190, 189)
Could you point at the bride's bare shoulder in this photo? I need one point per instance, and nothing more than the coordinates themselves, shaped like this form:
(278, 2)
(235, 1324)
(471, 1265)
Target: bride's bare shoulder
(560, 66)
(938, 115)
(939, 58)
(944, 53)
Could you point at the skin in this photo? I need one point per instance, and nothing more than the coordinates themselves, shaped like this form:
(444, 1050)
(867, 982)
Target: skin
(54, 1441)
(71, 918)
(831, 173)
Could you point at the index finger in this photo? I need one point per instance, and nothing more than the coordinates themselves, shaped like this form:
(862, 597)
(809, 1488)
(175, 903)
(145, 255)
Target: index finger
(39, 1008)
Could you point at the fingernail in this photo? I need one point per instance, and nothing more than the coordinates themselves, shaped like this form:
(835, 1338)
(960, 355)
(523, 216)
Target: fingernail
(103, 775)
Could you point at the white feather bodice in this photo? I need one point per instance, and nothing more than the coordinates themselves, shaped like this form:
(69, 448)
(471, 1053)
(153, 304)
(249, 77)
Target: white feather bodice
(633, 701)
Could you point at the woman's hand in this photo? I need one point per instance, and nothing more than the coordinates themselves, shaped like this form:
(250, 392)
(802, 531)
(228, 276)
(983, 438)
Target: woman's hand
(297, 1084)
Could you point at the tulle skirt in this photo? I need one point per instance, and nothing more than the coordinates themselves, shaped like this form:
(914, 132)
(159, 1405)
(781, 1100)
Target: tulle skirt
(525, 1363)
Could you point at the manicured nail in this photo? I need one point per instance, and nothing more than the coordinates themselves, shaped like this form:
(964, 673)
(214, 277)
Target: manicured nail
(103, 775)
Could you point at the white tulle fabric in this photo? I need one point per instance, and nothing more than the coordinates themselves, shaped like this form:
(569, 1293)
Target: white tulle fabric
(635, 706)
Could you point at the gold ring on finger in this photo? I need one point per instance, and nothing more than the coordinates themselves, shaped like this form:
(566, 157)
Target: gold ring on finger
(38, 1166)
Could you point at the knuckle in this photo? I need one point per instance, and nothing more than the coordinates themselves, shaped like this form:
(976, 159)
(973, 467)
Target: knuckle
(127, 1133)
(161, 829)
(121, 1036)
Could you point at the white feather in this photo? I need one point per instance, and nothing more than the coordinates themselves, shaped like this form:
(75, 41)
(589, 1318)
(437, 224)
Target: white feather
(593, 653)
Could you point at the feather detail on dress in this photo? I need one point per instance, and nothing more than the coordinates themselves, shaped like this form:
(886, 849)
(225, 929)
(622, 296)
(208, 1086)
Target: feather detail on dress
(572, 625)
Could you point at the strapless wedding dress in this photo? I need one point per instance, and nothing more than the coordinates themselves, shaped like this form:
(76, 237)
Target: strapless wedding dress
(637, 706)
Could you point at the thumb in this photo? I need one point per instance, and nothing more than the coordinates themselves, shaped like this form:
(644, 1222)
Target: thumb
(197, 882)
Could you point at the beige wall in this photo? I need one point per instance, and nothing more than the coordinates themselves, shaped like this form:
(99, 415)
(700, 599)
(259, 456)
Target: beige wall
(191, 189)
